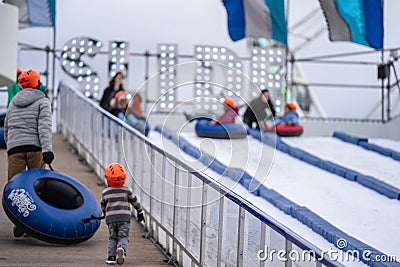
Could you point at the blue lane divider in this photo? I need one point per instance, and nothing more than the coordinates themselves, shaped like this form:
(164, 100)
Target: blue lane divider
(301, 213)
(363, 142)
(370, 182)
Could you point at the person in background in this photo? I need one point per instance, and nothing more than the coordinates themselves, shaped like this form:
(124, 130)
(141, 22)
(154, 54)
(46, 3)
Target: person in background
(231, 111)
(291, 117)
(15, 88)
(256, 110)
(115, 85)
(134, 115)
(136, 107)
(115, 204)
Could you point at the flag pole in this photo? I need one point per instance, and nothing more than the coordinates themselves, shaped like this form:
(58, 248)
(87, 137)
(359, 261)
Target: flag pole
(54, 63)
(54, 91)
(382, 80)
(289, 76)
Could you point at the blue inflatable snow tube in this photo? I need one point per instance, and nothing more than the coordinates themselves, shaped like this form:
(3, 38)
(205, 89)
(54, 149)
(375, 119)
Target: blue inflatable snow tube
(2, 142)
(50, 206)
(204, 128)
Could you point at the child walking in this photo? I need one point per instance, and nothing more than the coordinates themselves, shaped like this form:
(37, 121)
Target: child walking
(115, 204)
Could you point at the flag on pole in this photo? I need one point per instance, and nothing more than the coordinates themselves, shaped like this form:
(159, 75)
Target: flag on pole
(256, 19)
(35, 13)
(358, 21)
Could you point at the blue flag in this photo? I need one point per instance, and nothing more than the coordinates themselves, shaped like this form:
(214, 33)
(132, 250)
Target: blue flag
(256, 19)
(358, 21)
(35, 13)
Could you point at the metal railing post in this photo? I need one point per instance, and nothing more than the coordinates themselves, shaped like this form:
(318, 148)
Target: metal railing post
(175, 214)
(288, 249)
(150, 223)
(263, 231)
(188, 209)
(220, 230)
(203, 223)
(240, 240)
(143, 166)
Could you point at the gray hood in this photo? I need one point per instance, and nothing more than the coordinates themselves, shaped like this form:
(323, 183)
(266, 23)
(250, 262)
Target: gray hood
(25, 97)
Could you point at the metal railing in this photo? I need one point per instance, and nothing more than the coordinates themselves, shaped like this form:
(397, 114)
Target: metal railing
(194, 219)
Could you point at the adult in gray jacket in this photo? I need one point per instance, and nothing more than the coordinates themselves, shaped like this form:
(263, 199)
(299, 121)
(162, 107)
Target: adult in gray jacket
(28, 126)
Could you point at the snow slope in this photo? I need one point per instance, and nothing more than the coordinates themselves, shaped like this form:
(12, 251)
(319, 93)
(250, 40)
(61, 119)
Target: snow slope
(368, 216)
(351, 156)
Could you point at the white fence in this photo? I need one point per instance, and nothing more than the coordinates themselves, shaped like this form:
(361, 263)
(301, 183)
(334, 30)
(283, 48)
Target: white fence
(194, 219)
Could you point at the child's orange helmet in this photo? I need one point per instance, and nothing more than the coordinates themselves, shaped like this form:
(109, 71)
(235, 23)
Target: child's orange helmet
(120, 94)
(229, 102)
(291, 105)
(29, 79)
(115, 175)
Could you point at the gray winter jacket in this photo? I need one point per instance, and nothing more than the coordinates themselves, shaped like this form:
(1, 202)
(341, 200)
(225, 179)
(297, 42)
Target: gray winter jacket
(28, 121)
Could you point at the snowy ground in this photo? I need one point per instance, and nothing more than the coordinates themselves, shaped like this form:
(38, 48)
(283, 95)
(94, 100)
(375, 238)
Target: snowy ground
(391, 144)
(358, 211)
(354, 157)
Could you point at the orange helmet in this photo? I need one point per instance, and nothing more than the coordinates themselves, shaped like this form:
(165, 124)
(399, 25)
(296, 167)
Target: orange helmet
(115, 175)
(29, 79)
(229, 102)
(120, 94)
(19, 71)
(291, 105)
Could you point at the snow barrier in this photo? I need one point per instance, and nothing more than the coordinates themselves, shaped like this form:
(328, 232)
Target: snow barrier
(363, 142)
(302, 214)
(370, 182)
